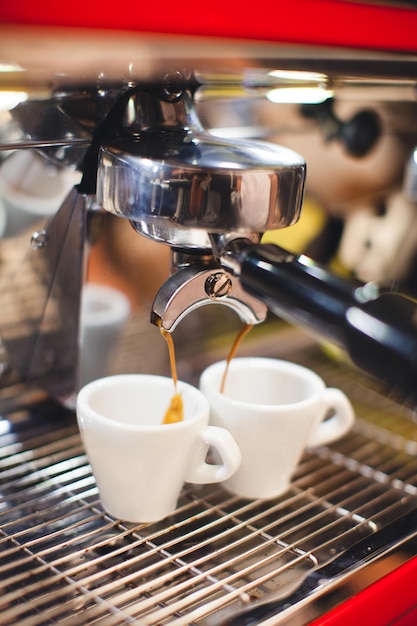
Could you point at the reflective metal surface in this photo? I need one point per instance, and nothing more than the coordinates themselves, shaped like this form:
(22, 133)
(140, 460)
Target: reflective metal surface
(64, 560)
(198, 285)
(176, 183)
(179, 185)
(40, 300)
(59, 69)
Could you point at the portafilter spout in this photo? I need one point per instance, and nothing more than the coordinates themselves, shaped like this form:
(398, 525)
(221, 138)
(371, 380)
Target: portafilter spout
(179, 185)
(202, 283)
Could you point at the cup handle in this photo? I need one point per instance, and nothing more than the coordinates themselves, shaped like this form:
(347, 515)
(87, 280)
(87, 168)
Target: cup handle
(334, 427)
(227, 449)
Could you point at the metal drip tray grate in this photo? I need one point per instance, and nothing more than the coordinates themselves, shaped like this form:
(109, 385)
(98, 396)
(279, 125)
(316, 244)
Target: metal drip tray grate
(64, 560)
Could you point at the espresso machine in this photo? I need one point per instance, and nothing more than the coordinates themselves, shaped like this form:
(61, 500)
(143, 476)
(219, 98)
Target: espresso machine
(109, 124)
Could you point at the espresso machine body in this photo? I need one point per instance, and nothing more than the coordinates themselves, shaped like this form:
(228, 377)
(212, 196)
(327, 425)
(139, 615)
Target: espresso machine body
(173, 161)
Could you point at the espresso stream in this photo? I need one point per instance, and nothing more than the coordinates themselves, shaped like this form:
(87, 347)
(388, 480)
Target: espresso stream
(243, 331)
(175, 411)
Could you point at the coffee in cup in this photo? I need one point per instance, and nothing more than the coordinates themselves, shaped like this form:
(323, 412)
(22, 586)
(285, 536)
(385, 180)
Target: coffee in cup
(139, 463)
(275, 410)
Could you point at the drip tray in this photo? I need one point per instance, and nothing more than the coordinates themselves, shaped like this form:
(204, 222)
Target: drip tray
(64, 560)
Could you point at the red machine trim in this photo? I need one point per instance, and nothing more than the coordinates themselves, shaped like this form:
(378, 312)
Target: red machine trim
(326, 22)
(391, 600)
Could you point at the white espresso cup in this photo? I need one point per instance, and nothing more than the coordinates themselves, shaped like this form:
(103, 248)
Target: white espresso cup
(104, 313)
(274, 409)
(139, 463)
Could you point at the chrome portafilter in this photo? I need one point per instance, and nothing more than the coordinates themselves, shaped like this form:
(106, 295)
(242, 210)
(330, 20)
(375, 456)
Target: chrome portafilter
(181, 186)
(211, 199)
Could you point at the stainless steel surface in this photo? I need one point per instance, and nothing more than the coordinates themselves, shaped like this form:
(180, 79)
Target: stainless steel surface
(54, 57)
(56, 69)
(177, 183)
(198, 285)
(64, 560)
(40, 285)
